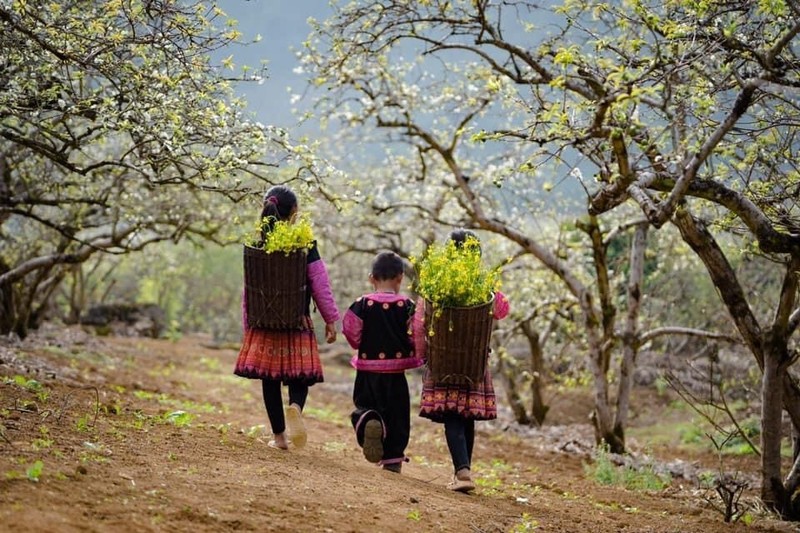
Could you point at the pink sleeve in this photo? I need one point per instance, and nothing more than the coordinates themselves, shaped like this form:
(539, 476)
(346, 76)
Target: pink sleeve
(352, 326)
(420, 342)
(321, 291)
(501, 305)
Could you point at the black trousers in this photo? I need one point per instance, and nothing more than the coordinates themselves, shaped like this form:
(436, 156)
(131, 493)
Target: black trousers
(273, 401)
(460, 435)
(383, 397)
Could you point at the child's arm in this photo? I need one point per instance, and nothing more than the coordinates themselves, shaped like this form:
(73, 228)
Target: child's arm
(420, 342)
(352, 326)
(501, 306)
(321, 291)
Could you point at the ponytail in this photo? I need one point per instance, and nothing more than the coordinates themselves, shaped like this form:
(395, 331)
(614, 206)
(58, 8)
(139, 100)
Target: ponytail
(460, 236)
(279, 203)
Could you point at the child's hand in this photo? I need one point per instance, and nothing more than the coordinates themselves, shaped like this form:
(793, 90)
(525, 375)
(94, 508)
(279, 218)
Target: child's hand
(330, 332)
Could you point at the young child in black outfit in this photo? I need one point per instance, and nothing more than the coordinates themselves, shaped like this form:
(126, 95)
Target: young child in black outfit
(378, 325)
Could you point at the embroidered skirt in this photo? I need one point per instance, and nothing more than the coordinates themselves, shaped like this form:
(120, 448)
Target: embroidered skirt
(285, 355)
(472, 400)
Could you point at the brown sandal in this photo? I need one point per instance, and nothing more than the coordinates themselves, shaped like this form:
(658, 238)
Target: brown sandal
(462, 482)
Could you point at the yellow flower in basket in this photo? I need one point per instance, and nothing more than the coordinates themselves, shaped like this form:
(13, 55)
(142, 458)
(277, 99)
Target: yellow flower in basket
(276, 281)
(454, 276)
(458, 291)
(284, 235)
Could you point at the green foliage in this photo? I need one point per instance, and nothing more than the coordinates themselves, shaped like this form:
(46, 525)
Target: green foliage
(605, 472)
(30, 385)
(182, 405)
(84, 423)
(736, 444)
(692, 434)
(199, 289)
(414, 515)
(727, 440)
(497, 478)
(21, 381)
(454, 276)
(44, 442)
(335, 447)
(179, 418)
(526, 523)
(255, 431)
(34, 471)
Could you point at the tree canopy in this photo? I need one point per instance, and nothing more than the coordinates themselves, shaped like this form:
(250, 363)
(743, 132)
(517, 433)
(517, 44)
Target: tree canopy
(117, 129)
(687, 110)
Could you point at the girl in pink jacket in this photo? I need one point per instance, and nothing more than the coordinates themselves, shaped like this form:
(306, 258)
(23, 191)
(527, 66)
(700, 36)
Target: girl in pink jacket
(457, 407)
(289, 357)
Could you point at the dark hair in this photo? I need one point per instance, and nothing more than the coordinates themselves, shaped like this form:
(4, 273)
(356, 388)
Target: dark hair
(460, 236)
(386, 266)
(279, 202)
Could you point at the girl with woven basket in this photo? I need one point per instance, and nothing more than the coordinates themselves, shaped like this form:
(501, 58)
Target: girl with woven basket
(288, 356)
(457, 405)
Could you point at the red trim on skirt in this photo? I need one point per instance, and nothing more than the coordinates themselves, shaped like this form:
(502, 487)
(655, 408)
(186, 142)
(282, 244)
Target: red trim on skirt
(286, 355)
(476, 401)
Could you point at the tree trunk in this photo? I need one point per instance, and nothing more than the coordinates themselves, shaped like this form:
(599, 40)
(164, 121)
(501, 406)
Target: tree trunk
(512, 393)
(607, 309)
(695, 234)
(630, 335)
(770, 350)
(599, 349)
(538, 407)
(76, 297)
(601, 417)
(8, 318)
(604, 430)
(773, 493)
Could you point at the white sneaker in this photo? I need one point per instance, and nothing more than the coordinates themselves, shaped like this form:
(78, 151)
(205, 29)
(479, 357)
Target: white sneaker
(295, 428)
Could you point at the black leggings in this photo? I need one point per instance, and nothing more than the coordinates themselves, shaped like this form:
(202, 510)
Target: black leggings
(273, 401)
(384, 397)
(460, 435)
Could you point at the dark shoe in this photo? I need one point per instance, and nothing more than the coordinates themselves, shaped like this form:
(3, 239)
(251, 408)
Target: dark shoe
(373, 441)
(394, 467)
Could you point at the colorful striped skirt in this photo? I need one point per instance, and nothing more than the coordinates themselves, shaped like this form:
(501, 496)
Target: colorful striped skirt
(473, 400)
(285, 355)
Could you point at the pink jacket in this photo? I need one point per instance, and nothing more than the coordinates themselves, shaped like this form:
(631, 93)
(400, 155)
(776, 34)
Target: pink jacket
(501, 310)
(321, 291)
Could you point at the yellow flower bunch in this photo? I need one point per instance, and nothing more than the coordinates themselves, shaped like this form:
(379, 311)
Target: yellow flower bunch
(451, 276)
(286, 235)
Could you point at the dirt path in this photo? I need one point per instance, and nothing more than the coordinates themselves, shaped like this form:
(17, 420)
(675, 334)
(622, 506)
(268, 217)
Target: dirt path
(120, 434)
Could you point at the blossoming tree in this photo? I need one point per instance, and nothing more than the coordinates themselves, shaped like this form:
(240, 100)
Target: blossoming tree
(116, 130)
(686, 110)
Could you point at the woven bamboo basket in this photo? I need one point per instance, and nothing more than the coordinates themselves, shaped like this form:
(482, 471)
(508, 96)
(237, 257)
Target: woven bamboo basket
(458, 349)
(275, 288)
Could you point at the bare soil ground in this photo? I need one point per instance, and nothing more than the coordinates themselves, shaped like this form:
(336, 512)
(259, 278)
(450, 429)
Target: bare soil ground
(131, 434)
